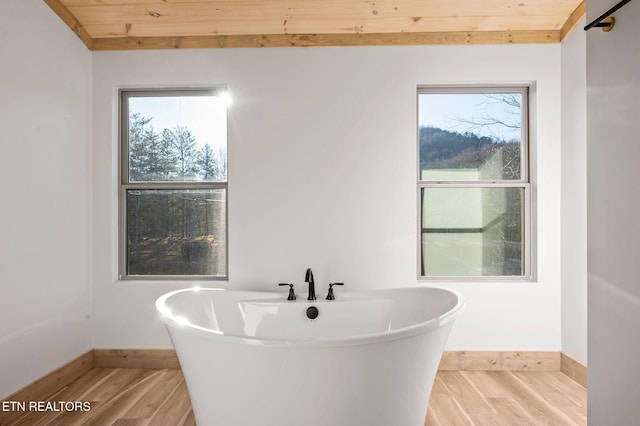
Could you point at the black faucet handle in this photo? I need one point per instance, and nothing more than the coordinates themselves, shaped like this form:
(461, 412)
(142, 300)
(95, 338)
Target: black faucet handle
(330, 295)
(292, 295)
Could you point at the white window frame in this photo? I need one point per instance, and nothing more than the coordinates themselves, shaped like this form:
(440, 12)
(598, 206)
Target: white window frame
(125, 184)
(524, 182)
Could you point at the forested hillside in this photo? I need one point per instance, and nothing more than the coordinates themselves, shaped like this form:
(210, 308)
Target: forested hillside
(444, 149)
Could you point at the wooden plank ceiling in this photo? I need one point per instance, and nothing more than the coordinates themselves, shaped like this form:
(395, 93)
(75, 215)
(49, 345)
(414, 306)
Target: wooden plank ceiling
(154, 24)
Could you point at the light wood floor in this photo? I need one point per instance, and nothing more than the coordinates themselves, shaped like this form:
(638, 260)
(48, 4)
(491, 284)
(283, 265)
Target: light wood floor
(136, 397)
(506, 398)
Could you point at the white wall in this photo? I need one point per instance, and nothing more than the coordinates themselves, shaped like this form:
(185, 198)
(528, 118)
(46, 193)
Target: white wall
(322, 157)
(613, 126)
(45, 274)
(574, 195)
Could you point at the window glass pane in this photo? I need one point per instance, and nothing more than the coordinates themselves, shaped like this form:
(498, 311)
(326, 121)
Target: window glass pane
(177, 138)
(472, 231)
(470, 136)
(176, 232)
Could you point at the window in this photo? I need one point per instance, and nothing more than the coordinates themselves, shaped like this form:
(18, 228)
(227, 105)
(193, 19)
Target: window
(173, 191)
(473, 182)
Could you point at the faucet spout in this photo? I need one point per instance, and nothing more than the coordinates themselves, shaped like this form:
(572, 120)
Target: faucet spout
(308, 278)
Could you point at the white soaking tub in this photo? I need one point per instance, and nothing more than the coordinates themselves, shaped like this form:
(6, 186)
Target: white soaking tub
(255, 358)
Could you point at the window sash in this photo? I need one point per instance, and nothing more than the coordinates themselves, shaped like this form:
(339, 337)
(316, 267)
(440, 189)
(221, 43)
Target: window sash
(523, 182)
(123, 274)
(125, 95)
(489, 89)
(127, 185)
(526, 238)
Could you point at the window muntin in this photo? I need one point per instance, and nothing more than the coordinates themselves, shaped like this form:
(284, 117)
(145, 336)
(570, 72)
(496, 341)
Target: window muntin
(173, 192)
(473, 187)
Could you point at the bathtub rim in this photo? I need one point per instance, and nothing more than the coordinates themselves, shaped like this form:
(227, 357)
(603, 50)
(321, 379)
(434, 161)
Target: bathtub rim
(370, 338)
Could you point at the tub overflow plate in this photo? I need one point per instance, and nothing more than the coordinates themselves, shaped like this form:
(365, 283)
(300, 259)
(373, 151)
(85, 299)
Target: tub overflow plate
(312, 312)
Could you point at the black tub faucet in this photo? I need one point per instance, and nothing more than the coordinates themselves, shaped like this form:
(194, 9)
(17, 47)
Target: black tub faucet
(292, 295)
(308, 278)
(330, 295)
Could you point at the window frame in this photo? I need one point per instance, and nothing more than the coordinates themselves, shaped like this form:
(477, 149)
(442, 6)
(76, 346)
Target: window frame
(524, 182)
(124, 184)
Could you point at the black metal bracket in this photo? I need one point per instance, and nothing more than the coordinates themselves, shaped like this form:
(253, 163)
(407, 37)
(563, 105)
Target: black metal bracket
(607, 25)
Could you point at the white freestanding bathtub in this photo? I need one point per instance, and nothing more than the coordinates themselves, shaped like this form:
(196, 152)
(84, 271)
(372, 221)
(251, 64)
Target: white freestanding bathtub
(255, 358)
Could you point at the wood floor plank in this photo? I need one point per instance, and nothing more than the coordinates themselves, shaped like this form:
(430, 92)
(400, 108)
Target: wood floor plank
(150, 402)
(466, 394)
(553, 394)
(131, 422)
(117, 381)
(120, 379)
(113, 409)
(189, 420)
(532, 402)
(509, 413)
(468, 397)
(486, 382)
(443, 408)
(547, 390)
(571, 389)
(175, 409)
(526, 403)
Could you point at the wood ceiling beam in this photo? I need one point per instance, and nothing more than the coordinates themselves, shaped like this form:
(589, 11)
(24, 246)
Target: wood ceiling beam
(308, 40)
(573, 20)
(258, 26)
(71, 21)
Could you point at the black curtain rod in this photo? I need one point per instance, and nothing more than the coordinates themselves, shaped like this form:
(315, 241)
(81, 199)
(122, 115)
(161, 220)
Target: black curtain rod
(597, 22)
